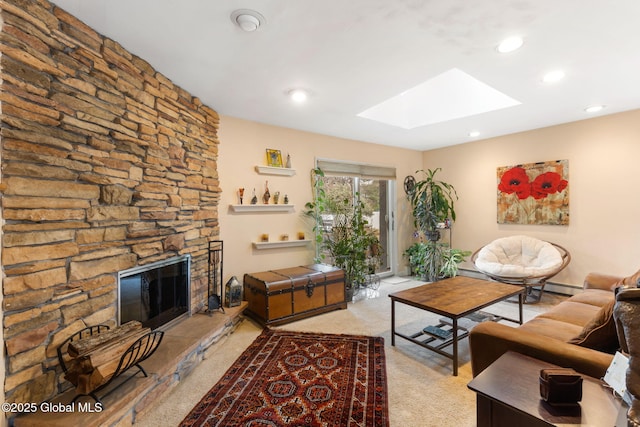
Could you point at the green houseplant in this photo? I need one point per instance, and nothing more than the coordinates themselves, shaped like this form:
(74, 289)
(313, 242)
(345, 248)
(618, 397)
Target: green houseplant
(317, 209)
(416, 255)
(421, 254)
(432, 205)
(350, 244)
(451, 258)
(342, 233)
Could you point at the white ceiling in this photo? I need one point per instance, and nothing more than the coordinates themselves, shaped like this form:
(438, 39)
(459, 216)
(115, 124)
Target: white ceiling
(354, 54)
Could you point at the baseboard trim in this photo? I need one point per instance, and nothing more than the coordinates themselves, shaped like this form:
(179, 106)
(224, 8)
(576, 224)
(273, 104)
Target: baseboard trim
(554, 287)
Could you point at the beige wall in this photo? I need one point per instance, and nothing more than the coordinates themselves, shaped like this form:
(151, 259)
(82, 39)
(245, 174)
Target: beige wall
(242, 146)
(604, 229)
(602, 234)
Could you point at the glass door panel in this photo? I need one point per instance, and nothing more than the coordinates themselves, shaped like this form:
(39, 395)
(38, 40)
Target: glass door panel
(374, 195)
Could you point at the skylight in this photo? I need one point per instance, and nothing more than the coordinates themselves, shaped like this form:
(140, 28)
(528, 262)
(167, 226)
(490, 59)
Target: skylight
(451, 95)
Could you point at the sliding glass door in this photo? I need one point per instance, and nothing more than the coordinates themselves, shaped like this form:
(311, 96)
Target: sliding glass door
(374, 195)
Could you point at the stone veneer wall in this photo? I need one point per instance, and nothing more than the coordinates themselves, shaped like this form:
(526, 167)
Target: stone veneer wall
(106, 164)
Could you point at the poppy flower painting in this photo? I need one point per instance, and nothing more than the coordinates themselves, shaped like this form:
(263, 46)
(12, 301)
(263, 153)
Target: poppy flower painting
(534, 193)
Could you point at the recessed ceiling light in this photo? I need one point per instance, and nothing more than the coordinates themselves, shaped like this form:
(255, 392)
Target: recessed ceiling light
(594, 108)
(248, 20)
(474, 134)
(298, 95)
(553, 76)
(510, 44)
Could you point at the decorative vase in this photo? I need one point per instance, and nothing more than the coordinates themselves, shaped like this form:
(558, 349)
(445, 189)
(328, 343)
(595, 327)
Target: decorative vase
(267, 195)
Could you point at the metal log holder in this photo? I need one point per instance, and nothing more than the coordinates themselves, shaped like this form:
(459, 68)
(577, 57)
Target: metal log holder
(137, 352)
(214, 300)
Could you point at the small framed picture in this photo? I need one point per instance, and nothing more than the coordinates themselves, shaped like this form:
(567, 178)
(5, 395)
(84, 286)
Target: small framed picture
(274, 158)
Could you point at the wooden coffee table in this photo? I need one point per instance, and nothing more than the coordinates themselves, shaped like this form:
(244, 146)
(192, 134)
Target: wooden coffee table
(453, 299)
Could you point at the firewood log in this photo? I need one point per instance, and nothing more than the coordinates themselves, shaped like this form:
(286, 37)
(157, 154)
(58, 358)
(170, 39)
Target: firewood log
(85, 345)
(76, 367)
(100, 375)
(99, 358)
(103, 354)
(82, 386)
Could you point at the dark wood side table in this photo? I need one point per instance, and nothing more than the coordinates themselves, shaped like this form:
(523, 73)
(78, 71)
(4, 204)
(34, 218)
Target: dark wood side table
(508, 394)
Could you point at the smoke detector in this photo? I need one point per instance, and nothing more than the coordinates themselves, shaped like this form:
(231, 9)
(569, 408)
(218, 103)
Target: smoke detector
(248, 20)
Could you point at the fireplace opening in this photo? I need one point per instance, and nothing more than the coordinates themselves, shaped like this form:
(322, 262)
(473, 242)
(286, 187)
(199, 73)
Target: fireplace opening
(155, 294)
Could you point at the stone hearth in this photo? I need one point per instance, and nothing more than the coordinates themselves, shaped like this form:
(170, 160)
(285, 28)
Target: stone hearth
(183, 347)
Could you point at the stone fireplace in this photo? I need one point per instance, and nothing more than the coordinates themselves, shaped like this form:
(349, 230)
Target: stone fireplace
(155, 294)
(106, 166)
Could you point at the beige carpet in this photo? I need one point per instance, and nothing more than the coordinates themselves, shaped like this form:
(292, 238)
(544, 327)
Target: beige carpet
(422, 391)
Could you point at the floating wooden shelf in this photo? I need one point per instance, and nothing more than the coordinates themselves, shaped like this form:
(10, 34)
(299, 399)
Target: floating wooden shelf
(280, 244)
(261, 208)
(270, 170)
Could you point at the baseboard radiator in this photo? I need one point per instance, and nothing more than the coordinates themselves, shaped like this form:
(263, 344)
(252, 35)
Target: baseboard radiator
(553, 287)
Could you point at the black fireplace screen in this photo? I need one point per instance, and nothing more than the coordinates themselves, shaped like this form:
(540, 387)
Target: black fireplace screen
(154, 294)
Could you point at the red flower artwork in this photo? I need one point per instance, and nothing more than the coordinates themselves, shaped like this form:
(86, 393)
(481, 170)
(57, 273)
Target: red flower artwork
(535, 193)
(515, 180)
(547, 183)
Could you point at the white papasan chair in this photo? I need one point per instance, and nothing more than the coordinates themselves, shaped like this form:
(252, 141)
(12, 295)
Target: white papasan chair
(522, 260)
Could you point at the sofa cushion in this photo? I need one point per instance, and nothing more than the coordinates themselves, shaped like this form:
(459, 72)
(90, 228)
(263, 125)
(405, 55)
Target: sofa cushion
(551, 328)
(595, 297)
(568, 319)
(600, 332)
(570, 311)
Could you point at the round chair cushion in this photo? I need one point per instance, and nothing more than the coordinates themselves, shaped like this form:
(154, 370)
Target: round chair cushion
(518, 256)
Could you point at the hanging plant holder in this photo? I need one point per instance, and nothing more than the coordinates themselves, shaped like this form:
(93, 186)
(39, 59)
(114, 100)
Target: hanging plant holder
(432, 235)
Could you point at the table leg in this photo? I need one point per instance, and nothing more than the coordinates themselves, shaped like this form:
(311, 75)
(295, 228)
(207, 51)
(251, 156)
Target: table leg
(393, 322)
(521, 299)
(455, 347)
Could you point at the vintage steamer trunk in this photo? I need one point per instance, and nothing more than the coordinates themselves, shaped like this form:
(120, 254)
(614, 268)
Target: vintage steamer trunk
(281, 296)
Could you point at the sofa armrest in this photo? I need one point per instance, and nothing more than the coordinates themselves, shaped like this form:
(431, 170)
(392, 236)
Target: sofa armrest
(600, 281)
(489, 340)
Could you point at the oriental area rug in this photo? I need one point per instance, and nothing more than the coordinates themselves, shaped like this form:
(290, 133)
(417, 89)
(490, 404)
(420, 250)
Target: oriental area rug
(300, 379)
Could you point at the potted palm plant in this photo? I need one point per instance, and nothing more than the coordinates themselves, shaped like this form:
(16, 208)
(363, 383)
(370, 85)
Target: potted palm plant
(432, 205)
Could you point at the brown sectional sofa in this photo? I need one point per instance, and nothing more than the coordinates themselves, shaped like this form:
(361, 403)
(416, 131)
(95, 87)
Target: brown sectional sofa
(578, 333)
